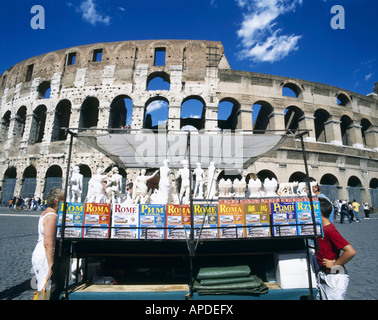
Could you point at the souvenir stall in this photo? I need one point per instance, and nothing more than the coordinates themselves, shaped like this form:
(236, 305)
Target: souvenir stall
(194, 236)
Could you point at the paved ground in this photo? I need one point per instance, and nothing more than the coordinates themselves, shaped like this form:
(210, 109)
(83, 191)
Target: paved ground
(18, 236)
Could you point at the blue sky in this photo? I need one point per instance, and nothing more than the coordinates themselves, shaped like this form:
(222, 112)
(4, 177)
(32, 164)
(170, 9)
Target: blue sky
(280, 37)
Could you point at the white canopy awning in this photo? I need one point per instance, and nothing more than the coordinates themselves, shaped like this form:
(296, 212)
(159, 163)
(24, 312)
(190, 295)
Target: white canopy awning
(145, 149)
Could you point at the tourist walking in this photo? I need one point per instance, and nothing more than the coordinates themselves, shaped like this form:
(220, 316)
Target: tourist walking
(344, 212)
(356, 208)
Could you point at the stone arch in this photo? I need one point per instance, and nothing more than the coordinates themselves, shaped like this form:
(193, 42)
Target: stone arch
(343, 99)
(85, 170)
(120, 115)
(156, 113)
(373, 188)
(228, 109)
(365, 125)
(29, 182)
(329, 185)
(345, 122)
(193, 110)
(10, 179)
(37, 129)
(261, 110)
(53, 178)
(89, 112)
(292, 116)
(158, 81)
(4, 129)
(321, 117)
(44, 90)
(61, 120)
(19, 123)
(263, 174)
(291, 89)
(298, 176)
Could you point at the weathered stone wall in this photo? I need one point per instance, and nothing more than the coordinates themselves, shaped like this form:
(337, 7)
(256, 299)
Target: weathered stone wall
(342, 144)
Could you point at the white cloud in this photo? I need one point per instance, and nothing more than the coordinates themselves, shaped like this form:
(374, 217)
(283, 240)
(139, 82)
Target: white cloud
(368, 76)
(155, 105)
(91, 14)
(261, 39)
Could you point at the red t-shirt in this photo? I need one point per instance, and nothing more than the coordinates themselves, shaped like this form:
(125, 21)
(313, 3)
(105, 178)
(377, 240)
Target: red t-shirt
(330, 245)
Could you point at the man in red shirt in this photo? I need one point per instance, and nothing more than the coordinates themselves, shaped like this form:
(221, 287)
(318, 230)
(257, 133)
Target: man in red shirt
(333, 279)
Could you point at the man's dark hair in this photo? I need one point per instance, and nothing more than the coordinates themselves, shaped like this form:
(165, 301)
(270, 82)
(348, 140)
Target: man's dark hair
(325, 207)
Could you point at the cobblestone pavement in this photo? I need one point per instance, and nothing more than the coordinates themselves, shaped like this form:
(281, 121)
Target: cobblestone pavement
(18, 237)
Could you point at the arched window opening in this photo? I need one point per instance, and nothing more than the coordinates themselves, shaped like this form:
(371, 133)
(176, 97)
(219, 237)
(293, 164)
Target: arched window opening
(291, 90)
(88, 114)
(365, 125)
(292, 116)
(10, 178)
(342, 100)
(158, 81)
(5, 122)
(321, 116)
(121, 113)
(354, 189)
(61, 120)
(87, 174)
(298, 176)
(228, 114)
(37, 129)
(373, 186)
(344, 125)
(192, 114)
(156, 114)
(53, 179)
(29, 182)
(19, 123)
(261, 111)
(44, 90)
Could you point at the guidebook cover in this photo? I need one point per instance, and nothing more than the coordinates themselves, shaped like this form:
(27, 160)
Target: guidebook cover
(74, 220)
(205, 221)
(96, 220)
(283, 216)
(125, 221)
(152, 221)
(304, 217)
(257, 219)
(176, 218)
(231, 220)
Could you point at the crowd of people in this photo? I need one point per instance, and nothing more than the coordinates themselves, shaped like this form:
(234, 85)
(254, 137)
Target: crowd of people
(19, 203)
(350, 210)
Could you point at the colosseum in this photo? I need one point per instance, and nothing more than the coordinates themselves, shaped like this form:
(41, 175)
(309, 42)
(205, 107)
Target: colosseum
(113, 85)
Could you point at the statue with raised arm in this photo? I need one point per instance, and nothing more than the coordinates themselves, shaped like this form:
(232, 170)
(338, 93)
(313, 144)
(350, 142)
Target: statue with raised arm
(198, 188)
(140, 186)
(95, 187)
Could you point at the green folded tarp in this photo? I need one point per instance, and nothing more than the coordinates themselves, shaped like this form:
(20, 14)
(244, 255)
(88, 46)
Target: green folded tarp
(223, 272)
(209, 282)
(228, 280)
(251, 287)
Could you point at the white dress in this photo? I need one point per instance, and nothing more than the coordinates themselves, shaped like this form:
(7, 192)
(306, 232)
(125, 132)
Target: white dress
(39, 259)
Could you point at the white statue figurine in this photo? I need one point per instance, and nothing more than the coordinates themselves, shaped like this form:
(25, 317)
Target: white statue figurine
(95, 187)
(113, 186)
(75, 184)
(254, 188)
(198, 188)
(184, 173)
(140, 186)
(270, 187)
